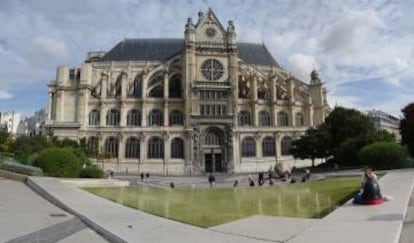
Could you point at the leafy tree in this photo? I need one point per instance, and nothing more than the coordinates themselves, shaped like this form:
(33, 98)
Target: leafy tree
(60, 162)
(314, 144)
(407, 128)
(343, 123)
(383, 155)
(26, 148)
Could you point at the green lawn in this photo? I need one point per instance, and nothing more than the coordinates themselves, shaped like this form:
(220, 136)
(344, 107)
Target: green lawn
(210, 207)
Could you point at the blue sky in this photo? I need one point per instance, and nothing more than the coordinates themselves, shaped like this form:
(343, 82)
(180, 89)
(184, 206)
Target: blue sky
(363, 49)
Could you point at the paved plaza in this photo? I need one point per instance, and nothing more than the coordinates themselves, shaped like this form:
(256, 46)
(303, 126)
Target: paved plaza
(44, 222)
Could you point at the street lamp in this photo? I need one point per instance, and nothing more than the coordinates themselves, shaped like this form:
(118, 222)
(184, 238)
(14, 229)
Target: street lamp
(119, 138)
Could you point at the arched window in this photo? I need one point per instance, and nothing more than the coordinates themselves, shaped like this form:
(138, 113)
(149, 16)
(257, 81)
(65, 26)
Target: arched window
(94, 118)
(264, 119)
(245, 118)
(282, 119)
(262, 94)
(93, 145)
(134, 118)
(213, 137)
(248, 147)
(286, 146)
(300, 121)
(155, 148)
(111, 146)
(174, 89)
(117, 88)
(268, 146)
(113, 118)
(136, 91)
(176, 118)
(155, 118)
(177, 148)
(156, 86)
(132, 148)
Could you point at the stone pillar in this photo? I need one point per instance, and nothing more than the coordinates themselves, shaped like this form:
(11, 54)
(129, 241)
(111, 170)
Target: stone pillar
(254, 101)
(142, 148)
(278, 148)
(121, 148)
(166, 114)
(104, 85)
(123, 113)
(144, 115)
(124, 85)
(50, 107)
(103, 112)
(258, 140)
(166, 138)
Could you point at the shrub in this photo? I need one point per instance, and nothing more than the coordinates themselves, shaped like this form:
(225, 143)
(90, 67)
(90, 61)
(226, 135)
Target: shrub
(59, 162)
(21, 169)
(91, 172)
(383, 155)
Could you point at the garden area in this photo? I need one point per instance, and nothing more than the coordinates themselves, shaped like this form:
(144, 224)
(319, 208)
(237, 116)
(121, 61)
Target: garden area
(211, 207)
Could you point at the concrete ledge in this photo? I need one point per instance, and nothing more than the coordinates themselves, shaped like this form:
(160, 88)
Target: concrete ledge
(118, 223)
(35, 186)
(13, 176)
(89, 182)
(362, 223)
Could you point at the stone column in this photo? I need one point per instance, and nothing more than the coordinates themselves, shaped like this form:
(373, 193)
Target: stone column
(121, 148)
(103, 115)
(124, 85)
(258, 145)
(50, 107)
(277, 144)
(104, 86)
(142, 148)
(166, 112)
(254, 102)
(144, 115)
(166, 138)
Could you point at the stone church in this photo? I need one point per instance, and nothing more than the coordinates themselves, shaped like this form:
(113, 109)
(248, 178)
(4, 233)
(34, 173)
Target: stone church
(205, 103)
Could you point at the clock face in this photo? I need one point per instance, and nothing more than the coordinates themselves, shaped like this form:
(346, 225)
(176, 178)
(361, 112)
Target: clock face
(210, 32)
(212, 69)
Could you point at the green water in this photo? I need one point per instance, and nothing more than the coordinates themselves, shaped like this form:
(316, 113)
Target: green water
(210, 207)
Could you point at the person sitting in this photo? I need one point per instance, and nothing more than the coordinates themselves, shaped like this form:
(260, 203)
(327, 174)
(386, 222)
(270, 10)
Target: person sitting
(371, 193)
(236, 183)
(212, 180)
(364, 177)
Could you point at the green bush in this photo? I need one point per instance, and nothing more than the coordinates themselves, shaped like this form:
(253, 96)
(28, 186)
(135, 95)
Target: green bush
(383, 155)
(21, 169)
(91, 172)
(59, 162)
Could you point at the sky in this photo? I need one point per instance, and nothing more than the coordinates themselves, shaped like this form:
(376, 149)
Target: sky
(362, 49)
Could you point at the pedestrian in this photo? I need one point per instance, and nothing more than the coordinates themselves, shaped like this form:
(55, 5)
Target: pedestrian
(147, 175)
(142, 176)
(172, 185)
(260, 180)
(212, 180)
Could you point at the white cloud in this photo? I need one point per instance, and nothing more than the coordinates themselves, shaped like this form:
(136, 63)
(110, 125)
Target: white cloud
(4, 95)
(345, 41)
(301, 65)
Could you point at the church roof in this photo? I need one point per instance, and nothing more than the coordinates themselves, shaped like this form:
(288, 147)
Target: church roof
(163, 49)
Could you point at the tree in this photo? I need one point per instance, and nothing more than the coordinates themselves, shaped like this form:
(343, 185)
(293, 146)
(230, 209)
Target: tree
(407, 128)
(343, 123)
(312, 145)
(60, 162)
(384, 155)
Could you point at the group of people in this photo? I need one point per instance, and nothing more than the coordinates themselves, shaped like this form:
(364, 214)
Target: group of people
(370, 191)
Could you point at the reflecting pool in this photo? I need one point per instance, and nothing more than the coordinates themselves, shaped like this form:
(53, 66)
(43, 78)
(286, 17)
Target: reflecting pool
(210, 207)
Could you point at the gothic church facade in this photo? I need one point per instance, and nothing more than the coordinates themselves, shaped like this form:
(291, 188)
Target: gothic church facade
(205, 103)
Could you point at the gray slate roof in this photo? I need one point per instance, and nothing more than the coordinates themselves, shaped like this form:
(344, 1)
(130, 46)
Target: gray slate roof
(163, 49)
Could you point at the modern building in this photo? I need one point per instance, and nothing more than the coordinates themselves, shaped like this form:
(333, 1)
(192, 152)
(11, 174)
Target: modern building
(10, 121)
(205, 103)
(385, 121)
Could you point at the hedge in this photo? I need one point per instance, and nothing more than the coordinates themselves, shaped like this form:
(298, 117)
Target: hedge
(383, 155)
(59, 162)
(91, 172)
(21, 169)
